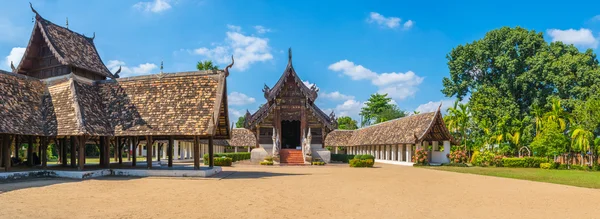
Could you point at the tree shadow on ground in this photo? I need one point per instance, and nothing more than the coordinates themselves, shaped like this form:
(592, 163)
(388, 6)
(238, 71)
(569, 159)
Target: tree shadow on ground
(226, 175)
(13, 185)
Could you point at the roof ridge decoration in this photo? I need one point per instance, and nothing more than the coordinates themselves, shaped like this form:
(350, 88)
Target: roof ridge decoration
(229, 66)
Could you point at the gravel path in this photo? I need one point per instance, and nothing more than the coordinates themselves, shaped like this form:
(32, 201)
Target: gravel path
(300, 192)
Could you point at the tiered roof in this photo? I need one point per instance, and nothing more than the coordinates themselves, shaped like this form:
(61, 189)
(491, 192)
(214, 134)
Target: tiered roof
(70, 48)
(240, 137)
(407, 130)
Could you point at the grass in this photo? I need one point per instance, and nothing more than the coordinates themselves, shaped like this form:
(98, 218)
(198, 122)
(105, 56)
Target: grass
(586, 179)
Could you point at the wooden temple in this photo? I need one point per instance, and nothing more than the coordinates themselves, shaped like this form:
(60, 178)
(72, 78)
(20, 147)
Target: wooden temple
(291, 112)
(62, 93)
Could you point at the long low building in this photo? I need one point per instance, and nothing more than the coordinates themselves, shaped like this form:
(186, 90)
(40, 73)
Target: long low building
(395, 141)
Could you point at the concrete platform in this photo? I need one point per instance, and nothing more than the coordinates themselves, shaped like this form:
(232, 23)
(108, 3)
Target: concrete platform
(88, 174)
(401, 163)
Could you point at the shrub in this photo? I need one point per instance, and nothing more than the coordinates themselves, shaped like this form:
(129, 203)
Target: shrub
(266, 162)
(486, 158)
(579, 167)
(361, 163)
(342, 157)
(421, 157)
(364, 157)
(318, 163)
(222, 161)
(546, 166)
(523, 162)
(458, 156)
(234, 156)
(455, 164)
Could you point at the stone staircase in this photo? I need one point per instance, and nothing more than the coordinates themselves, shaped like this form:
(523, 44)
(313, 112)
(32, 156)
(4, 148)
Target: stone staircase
(291, 156)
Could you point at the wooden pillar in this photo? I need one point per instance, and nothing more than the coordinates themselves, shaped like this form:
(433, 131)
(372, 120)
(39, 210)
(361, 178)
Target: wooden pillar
(63, 152)
(30, 151)
(257, 136)
(303, 124)
(120, 148)
(170, 151)
(81, 144)
(211, 161)
(116, 153)
(73, 147)
(17, 146)
(6, 152)
(136, 142)
(102, 151)
(149, 150)
(44, 146)
(197, 153)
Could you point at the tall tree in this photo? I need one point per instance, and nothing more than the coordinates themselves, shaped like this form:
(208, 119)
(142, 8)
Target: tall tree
(240, 122)
(379, 108)
(206, 65)
(458, 122)
(346, 123)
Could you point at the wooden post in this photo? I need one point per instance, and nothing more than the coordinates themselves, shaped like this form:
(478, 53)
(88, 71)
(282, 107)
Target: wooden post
(211, 161)
(170, 151)
(81, 143)
(63, 155)
(149, 144)
(17, 144)
(44, 146)
(197, 153)
(102, 151)
(117, 143)
(6, 152)
(120, 149)
(134, 146)
(105, 144)
(73, 148)
(30, 151)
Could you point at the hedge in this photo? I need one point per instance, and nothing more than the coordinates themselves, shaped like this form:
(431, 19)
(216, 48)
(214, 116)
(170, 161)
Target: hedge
(223, 161)
(234, 156)
(361, 163)
(342, 157)
(523, 162)
(364, 157)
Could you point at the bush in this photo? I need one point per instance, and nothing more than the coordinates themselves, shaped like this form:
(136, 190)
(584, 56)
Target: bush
(579, 167)
(342, 157)
(269, 158)
(318, 163)
(458, 156)
(364, 157)
(361, 163)
(523, 162)
(421, 157)
(486, 158)
(223, 161)
(234, 156)
(266, 162)
(546, 166)
(455, 164)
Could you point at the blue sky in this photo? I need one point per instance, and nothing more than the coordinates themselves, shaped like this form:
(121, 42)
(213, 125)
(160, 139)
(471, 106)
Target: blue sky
(349, 49)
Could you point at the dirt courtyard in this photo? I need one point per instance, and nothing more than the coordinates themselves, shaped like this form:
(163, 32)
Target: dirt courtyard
(300, 192)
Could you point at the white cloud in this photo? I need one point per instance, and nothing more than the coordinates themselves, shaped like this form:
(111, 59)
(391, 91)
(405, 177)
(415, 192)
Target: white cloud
(246, 50)
(155, 6)
(349, 108)
(396, 85)
(432, 106)
(141, 69)
(336, 95)
(239, 99)
(389, 22)
(14, 56)
(582, 37)
(261, 29)
(408, 24)
(308, 84)
(595, 18)
(235, 114)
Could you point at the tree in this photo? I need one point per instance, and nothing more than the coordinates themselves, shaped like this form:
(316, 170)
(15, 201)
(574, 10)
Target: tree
(587, 117)
(550, 141)
(581, 140)
(346, 123)
(240, 122)
(206, 65)
(379, 109)
(558, 115)
(458, 120)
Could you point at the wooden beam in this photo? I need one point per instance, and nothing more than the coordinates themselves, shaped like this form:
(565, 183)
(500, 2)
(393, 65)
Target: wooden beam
(197, 153)
(149, 143)
(170, 151)
(211, 161)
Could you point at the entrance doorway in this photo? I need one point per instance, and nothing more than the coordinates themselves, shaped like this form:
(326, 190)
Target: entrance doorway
(290, 134)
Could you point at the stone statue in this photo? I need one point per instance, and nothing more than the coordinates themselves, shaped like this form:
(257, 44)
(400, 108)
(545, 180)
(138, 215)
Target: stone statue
(306, 143)
(276, 143)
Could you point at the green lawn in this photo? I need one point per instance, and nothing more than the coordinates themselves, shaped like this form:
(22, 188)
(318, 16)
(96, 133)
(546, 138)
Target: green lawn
(565, 177)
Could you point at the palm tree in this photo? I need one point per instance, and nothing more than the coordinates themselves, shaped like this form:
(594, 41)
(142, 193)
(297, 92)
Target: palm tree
(206, 65)
(538, 116)
(581, 140)
(457, 120)
(559, 116)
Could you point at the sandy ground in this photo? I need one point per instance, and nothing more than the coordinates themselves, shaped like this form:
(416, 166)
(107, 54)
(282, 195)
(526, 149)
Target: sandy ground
(300, 192)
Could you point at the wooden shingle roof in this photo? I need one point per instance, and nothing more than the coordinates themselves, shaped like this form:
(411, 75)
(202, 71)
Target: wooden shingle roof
(407, 130)
(241, 137)
(21, 100)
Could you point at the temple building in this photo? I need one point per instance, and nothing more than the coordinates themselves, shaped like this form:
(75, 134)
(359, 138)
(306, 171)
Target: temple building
(61, 92)
(395, 141)
(282, 123)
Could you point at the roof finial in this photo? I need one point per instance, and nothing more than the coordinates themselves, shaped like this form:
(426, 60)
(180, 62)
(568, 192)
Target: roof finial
(229, 66)
(94, 36)
(12, 66)
(67, 23)
(161, 66)
(31, 6)
(290, 55)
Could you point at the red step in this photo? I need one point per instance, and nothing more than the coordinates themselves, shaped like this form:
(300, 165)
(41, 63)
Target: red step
(291, 156)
